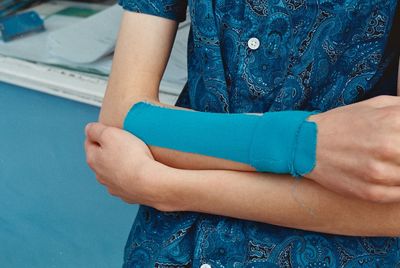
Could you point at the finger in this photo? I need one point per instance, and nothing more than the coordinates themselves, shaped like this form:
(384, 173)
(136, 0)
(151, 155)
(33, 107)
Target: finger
(92, 152)
(87, 145)
(383, 170)
(383, 194)
(128, 200)
(100, 180)
(353, 187)
(384, 174)
(94, 132)
(112, 191)
(91, 144)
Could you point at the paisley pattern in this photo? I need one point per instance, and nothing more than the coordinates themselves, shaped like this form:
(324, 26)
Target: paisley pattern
(313, 55)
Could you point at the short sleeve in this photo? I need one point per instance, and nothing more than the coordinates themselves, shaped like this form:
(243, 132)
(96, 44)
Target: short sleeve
(170, 9)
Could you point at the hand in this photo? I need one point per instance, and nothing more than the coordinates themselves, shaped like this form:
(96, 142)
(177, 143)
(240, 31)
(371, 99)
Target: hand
(122, 163)
(358, 149)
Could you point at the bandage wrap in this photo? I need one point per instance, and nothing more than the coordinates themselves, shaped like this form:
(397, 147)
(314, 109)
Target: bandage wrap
(277, 142)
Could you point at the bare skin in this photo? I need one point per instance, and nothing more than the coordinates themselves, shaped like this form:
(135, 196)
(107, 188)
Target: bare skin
(125, 165)
(172, 181)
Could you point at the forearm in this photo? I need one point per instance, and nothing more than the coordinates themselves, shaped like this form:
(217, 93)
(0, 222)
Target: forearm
(277, 142)
(136, 74)
(116, 107)
(279, 200)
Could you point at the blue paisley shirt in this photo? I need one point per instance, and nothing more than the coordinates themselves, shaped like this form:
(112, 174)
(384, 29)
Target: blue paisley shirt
(271, 55)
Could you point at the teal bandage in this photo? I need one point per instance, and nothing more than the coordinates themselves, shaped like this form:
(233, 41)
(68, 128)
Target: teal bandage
(277, 142)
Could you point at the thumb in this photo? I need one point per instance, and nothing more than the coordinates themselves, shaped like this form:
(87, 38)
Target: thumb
(94, 132)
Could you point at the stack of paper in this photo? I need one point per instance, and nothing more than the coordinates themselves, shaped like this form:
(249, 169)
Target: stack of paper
(37, 47)
(88, 40)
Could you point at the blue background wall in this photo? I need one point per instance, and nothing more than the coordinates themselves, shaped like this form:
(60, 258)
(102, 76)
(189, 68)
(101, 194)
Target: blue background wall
(53, 213)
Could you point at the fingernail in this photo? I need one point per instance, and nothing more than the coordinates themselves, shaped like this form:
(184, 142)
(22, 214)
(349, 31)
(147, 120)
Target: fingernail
(87, 128)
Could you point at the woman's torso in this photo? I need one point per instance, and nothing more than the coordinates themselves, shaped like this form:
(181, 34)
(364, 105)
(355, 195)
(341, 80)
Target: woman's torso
(313, 55)
(259, 56)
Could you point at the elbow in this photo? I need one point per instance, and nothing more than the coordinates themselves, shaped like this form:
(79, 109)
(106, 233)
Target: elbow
(113, 111)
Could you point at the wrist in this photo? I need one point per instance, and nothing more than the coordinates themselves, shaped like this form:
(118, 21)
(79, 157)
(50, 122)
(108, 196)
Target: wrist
(318, 119)
(164, 187)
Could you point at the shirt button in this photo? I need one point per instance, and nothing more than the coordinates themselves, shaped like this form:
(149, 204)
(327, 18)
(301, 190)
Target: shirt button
(205, 266)
(253, 43)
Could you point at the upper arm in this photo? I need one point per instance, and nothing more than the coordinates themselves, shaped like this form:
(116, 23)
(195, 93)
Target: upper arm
(142, 51)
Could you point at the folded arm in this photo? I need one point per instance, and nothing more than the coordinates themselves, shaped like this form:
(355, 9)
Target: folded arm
(124, 164)
(138, 65)
(274, 199)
